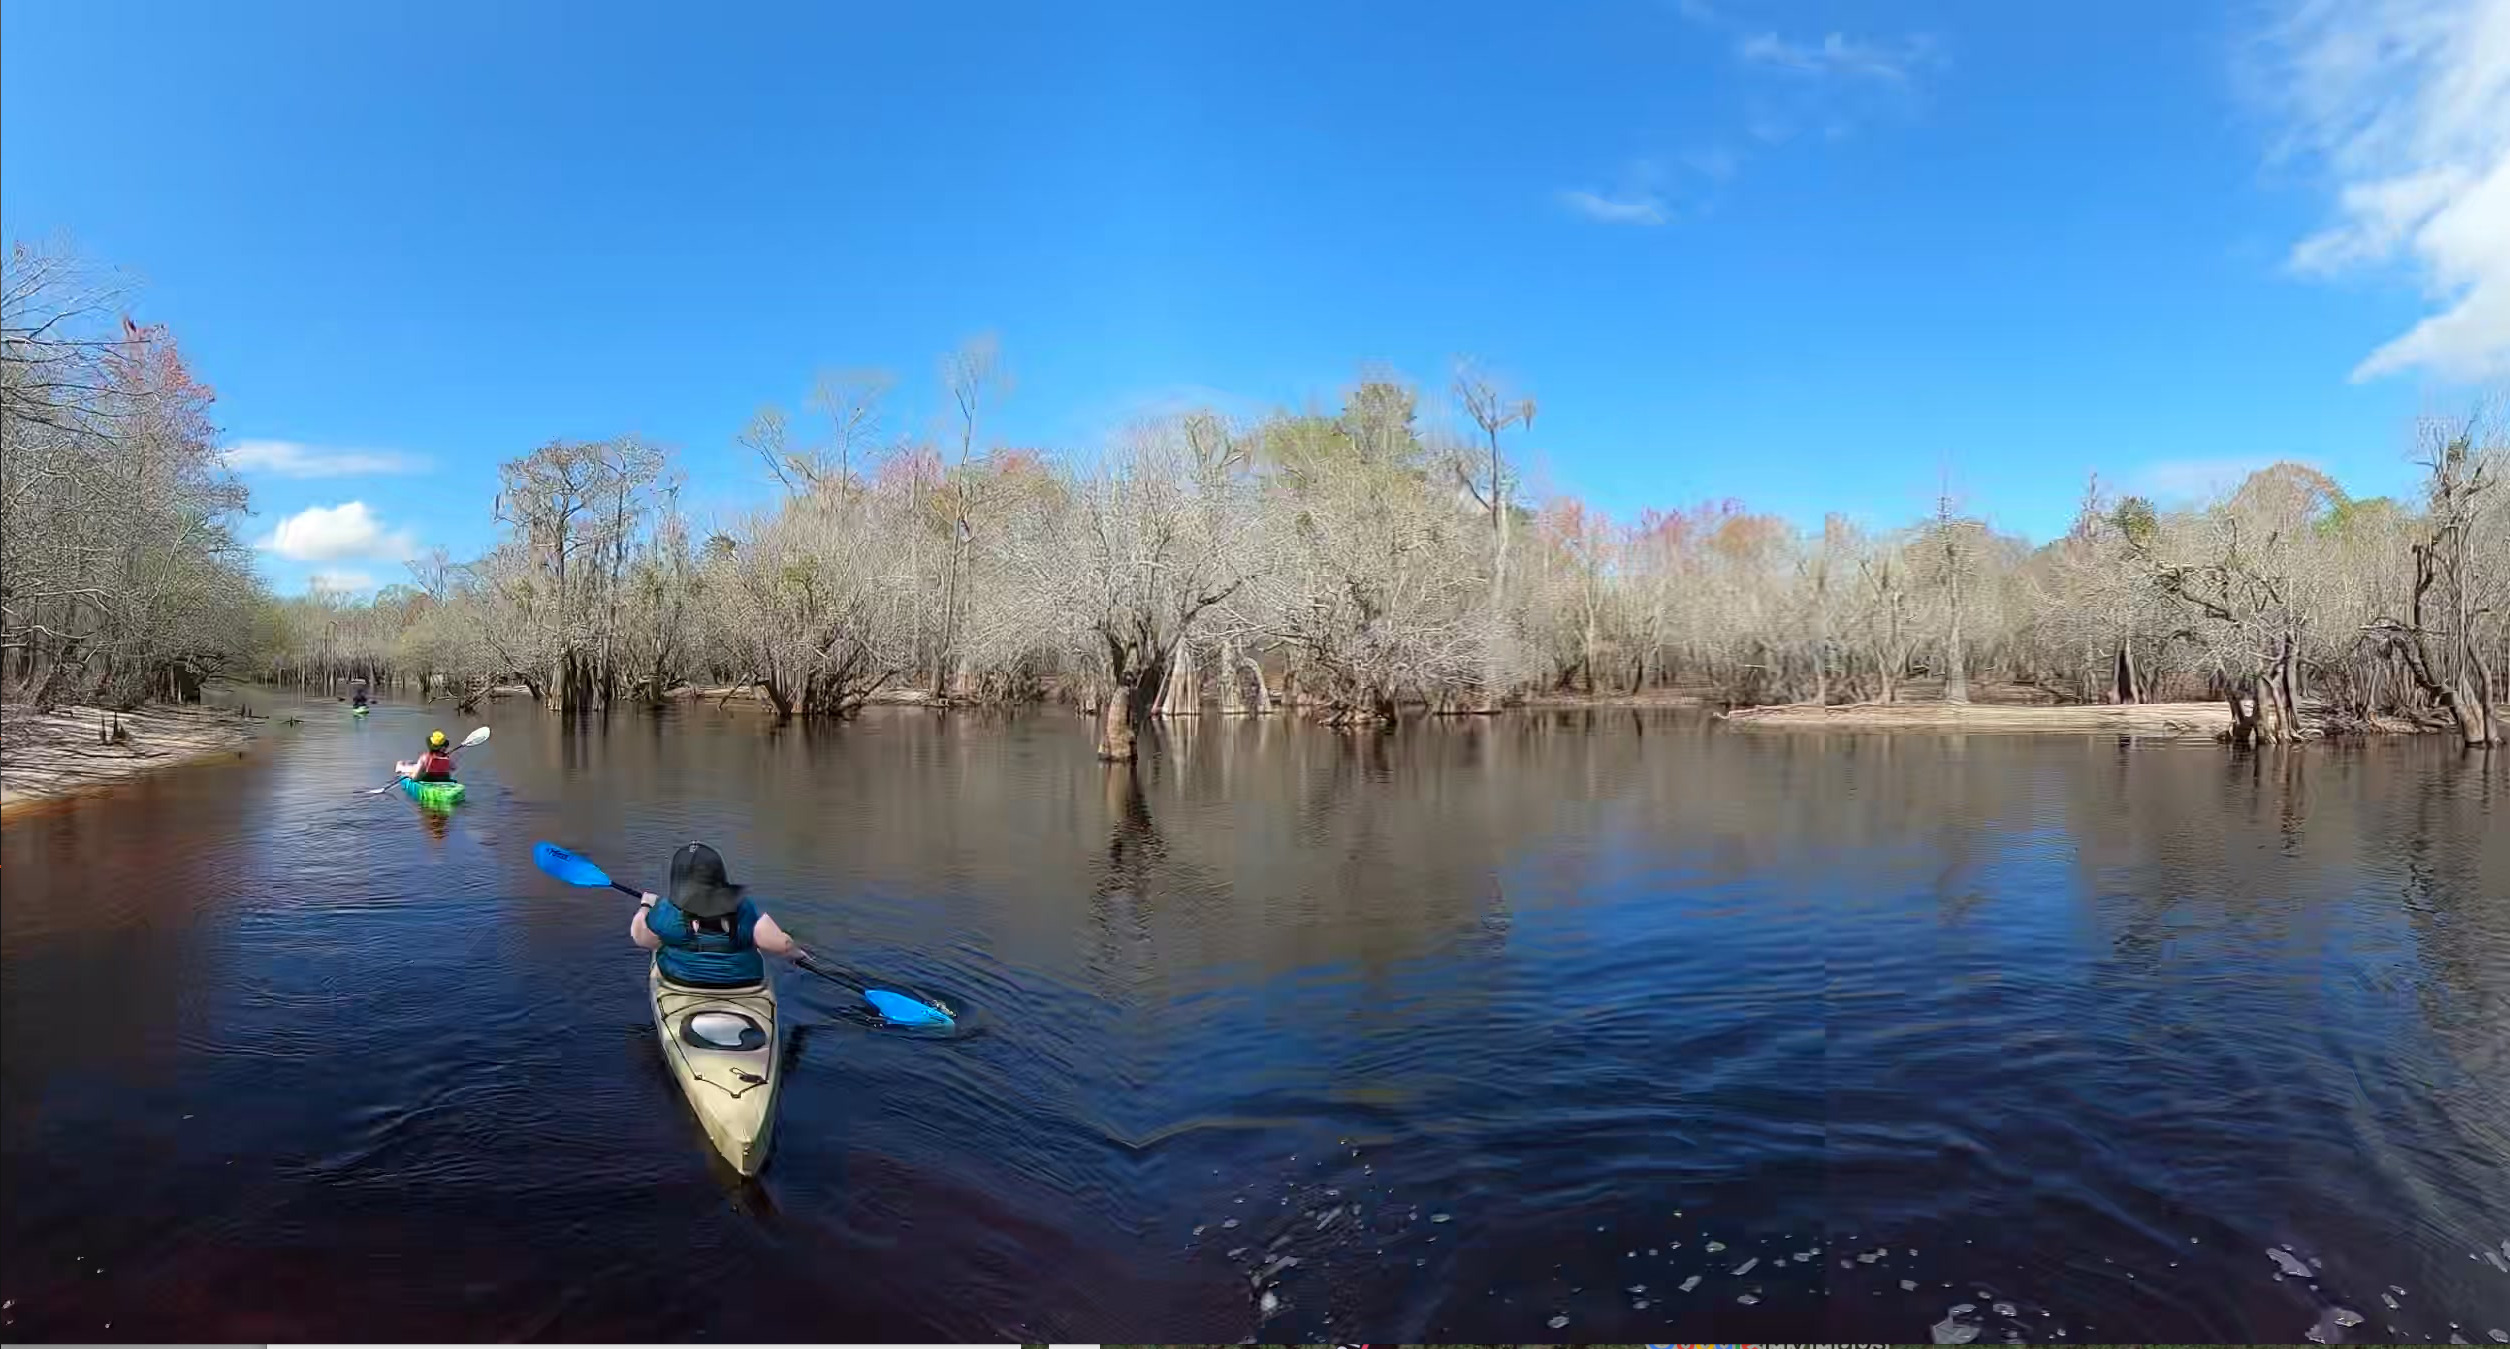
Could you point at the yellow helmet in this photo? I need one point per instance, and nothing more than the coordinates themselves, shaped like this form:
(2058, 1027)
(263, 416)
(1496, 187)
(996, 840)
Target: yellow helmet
(435, 740)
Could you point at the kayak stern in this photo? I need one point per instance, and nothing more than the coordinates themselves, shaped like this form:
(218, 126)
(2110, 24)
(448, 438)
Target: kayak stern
(721, 1045)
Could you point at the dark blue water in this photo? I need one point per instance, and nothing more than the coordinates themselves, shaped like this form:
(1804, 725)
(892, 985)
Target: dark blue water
(1675, 1032)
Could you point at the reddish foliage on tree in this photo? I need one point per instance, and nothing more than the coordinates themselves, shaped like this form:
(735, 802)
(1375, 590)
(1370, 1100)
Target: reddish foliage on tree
(1745, 538)
(1562, 519)
(1679, 530)
(916, 465)
(148, 369)
(1019, 462)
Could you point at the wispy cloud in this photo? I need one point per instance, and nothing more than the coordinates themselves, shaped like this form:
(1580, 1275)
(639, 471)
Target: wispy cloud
(2405, 104)
(1839, 54)
(338, 534)
(290, 459)
(1644, 208)
(1644, 194)
(1811, 88)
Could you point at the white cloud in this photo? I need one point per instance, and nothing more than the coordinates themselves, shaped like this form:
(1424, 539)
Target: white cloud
(337, 534)
(1838, 54)
(345, 582)
(1638, 208)
(289, 459)
(2406, 106)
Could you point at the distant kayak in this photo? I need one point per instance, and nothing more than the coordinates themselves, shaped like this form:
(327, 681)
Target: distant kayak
(359, 711)
(438, 794)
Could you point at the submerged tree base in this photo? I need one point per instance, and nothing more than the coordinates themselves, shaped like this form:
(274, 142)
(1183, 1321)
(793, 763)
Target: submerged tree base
(71, 750)
(2172, 721)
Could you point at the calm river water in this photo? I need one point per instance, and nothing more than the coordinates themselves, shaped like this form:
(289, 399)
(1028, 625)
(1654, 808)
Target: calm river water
(1560, 1027)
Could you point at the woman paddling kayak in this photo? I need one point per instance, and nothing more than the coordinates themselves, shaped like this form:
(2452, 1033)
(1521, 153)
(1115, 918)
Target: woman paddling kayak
(436, 765)
(708, 934)
(714, 1006)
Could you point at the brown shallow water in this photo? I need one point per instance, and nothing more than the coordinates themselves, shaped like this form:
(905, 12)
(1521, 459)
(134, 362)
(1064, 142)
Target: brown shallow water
(1446, 1035)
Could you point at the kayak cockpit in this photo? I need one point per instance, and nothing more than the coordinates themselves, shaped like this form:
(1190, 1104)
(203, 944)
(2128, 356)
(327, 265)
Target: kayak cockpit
(719, 1028)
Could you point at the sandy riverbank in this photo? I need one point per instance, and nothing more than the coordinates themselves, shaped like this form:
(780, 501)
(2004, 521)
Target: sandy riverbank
(2161, 721)
(1572, 702)
(68, 751)
(2181, 721)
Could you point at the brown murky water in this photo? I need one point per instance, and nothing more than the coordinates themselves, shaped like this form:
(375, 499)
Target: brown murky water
(1674, 1032)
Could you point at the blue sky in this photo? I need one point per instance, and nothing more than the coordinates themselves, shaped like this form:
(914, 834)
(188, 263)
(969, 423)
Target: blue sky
(1807, 255)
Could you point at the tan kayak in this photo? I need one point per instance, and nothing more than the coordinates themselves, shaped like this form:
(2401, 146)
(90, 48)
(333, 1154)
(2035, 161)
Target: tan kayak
(721, 1045)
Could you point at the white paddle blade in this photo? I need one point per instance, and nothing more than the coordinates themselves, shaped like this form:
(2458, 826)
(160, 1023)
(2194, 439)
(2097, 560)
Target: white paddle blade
(476, 737)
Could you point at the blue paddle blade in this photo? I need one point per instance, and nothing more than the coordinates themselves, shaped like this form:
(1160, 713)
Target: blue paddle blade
(566, 866)
(903, 1010)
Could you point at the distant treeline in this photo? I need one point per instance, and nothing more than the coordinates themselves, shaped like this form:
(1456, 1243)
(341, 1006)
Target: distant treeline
(1345, 564)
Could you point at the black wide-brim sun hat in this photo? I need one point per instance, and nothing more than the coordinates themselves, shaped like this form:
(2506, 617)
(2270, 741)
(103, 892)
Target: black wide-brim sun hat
(699, 887)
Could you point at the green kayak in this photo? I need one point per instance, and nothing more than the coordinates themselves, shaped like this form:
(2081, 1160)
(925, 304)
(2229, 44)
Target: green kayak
(359, 711)
(438, 794)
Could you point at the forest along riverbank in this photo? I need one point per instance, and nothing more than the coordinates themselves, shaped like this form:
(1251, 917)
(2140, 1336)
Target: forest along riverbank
(45, 755)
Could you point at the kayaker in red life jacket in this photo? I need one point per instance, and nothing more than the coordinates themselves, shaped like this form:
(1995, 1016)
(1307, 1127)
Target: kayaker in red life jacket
(436, 765)
(707, 934)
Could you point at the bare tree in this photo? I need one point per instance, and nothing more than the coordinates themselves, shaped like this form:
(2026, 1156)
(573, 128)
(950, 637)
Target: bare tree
(1951, 543)
(851, 401)
(2439, 640)
(121, 576)
(1887, 611)
(1140, 550)
(974, 376)
(804, 606)
(1368, 575)
(1485, 476)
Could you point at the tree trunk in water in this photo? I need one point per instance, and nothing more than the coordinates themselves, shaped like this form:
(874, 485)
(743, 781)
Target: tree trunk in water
(2265, 714)
(1263, 694)
(1115, 728)
(1183, 694)
(2480, 675)
(2287, 690)
(2127, 685)
(1232, 691)
(2472, 711)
